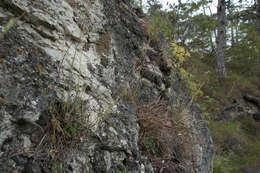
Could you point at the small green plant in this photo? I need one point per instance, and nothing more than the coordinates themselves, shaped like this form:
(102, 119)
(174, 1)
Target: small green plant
(150, 144)
(160, 24)
(179, 56)
(9, 25)
(58, 167)
(72, 129)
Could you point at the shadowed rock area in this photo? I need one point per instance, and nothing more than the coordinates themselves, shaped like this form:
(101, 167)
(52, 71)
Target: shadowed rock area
(73, 75)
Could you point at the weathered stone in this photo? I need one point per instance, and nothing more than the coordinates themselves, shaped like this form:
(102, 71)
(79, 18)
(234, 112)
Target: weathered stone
(81, 58)
(240, 108)
(256, 116)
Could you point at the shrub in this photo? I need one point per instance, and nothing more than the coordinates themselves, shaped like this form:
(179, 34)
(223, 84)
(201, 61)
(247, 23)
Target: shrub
(179, 56)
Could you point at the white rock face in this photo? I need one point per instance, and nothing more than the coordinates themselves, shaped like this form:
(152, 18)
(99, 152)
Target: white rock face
(68, 59)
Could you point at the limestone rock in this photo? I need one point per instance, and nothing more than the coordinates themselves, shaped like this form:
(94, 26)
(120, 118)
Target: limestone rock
(71, 66)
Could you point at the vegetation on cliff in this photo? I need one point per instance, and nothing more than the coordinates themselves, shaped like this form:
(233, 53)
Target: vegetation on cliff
(76, 79)
(100, 86)
(190, 31)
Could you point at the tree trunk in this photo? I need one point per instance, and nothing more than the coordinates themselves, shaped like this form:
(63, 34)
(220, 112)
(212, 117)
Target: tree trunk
(237, 30)
(141, 4)
(231, 27)
(258, 16)
(214, 32)
(209, 31)
(232, 34)
(221, 38)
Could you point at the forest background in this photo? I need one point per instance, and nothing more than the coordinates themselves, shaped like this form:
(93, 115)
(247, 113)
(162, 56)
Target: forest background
(221, 66)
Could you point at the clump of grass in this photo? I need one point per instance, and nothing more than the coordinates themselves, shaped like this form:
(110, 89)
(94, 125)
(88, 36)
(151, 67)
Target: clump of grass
(228, 137)
(65, 129)
(162, 136)
(235, 146)
(236, 163)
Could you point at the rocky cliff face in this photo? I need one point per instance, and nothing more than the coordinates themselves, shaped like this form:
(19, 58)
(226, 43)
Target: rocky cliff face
(73, 74)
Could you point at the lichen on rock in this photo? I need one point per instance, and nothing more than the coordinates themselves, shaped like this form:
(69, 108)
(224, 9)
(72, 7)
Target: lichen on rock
(72, 77)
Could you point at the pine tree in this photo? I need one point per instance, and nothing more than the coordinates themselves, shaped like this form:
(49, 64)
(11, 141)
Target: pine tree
(221, 38)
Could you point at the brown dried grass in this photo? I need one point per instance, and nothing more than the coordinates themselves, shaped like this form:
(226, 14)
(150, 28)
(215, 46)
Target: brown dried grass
(63, 132)
(162, 136)
(146, 26)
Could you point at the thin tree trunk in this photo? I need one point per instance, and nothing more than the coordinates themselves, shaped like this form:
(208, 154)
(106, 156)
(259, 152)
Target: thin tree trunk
(208, 31)
(230, 10)
(237, 30)
(232, 34)
(215, 33)
(258, 16)
(221, 38)
(141, 4)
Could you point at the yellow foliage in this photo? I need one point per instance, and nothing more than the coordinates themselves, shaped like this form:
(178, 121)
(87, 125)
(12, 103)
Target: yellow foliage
(179, 56)
(179, 53)
(184, 73)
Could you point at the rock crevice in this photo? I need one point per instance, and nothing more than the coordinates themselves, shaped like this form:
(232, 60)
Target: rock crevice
(72, 74)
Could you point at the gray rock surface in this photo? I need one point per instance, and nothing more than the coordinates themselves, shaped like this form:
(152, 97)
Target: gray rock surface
(240, 108)
(75, 58)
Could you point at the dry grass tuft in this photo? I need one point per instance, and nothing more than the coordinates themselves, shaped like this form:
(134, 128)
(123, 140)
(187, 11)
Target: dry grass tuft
(64, 131)
(146, 26)
(162, 135)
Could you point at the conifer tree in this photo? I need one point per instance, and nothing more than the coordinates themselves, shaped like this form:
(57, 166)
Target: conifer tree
(221, 38)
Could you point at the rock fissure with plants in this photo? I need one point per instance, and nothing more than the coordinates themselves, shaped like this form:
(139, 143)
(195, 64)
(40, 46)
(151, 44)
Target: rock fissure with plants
(125, 86)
